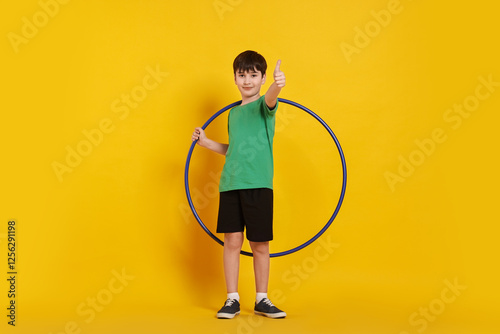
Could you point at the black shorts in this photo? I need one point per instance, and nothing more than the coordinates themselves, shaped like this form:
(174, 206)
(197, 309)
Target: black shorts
(250, 208)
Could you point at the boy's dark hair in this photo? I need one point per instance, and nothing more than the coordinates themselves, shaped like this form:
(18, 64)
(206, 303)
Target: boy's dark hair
(250, 61)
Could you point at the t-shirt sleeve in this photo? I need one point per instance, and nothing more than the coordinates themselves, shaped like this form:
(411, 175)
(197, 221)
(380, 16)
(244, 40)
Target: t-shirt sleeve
(267, 111)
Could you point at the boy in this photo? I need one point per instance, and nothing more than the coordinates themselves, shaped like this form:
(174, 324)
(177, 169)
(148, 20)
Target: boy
(246, 183)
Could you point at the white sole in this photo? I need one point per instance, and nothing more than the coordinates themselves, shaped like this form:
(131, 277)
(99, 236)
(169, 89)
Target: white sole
(272, 315)
(227, 315)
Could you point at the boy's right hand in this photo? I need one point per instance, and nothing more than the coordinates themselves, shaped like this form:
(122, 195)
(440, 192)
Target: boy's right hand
(199, 135)
(203, 141)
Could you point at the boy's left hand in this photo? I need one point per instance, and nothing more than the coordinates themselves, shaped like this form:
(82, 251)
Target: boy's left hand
(279, 77)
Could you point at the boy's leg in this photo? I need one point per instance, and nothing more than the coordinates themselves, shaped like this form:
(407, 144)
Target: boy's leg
(261, 264)
(232, 247)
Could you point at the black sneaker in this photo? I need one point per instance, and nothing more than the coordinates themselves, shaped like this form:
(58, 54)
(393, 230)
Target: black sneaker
(230, 309)
(266, 308)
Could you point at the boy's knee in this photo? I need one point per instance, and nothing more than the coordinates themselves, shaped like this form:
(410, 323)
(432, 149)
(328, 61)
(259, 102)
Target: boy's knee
(233, 240)
(260, 247)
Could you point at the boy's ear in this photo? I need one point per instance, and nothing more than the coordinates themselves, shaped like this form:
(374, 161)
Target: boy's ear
(264, 79)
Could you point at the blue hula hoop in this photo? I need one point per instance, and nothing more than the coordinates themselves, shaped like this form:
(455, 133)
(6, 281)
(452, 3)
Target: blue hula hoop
(335, 212)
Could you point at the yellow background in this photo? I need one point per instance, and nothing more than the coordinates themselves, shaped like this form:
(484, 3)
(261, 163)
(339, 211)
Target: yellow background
(386, 257)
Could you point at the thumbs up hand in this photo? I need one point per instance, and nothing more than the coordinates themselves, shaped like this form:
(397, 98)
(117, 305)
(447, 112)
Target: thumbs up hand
(275, 88)
(279, 76)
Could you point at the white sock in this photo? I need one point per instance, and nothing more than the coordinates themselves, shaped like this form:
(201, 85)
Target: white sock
(260, 296)
(233, 295)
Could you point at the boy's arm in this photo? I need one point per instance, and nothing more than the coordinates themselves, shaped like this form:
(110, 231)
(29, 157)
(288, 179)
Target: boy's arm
(275, 88)
(212, 145)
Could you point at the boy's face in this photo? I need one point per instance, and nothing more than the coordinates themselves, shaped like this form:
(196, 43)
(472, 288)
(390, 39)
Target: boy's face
(249, 83)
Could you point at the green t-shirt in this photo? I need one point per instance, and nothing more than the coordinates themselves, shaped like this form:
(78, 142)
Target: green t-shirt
(249, 158)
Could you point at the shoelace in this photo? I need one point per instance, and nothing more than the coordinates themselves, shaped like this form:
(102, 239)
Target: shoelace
(230, 302)
(268, 302)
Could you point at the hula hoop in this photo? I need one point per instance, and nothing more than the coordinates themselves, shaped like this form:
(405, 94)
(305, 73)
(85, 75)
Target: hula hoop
(335, 212)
